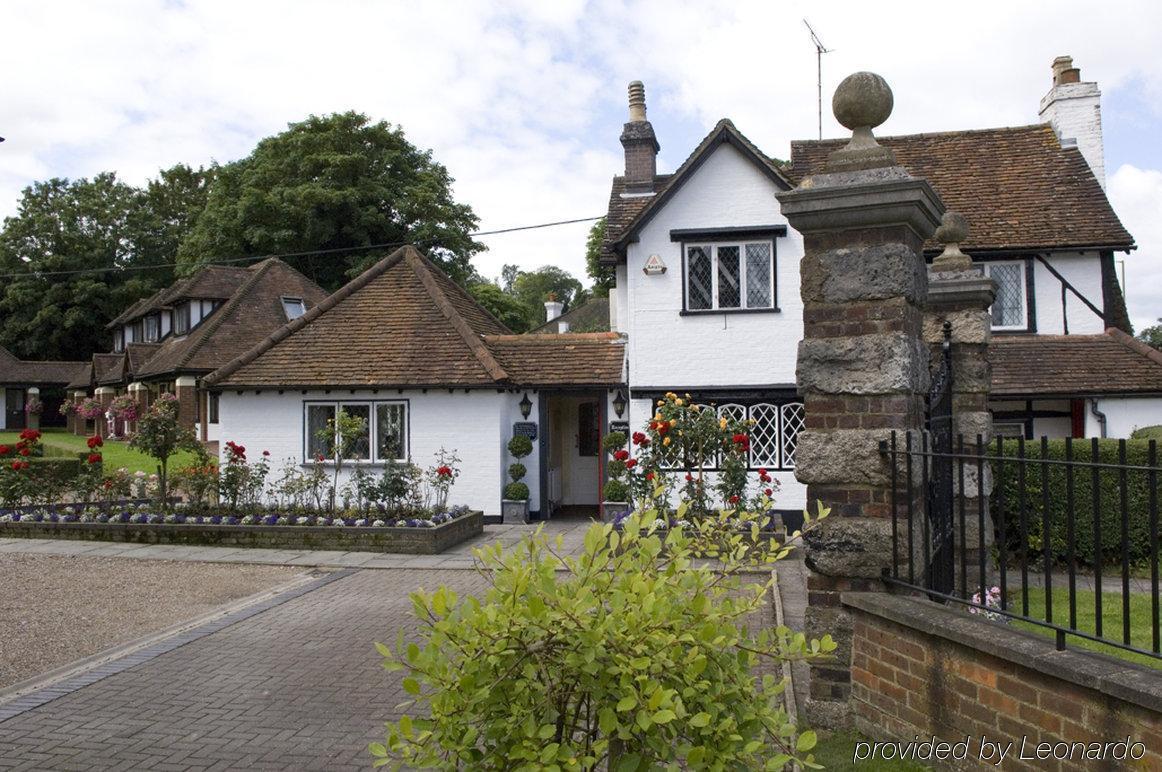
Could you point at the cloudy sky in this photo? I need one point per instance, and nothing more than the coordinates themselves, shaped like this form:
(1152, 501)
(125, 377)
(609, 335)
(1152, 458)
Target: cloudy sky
(523, 101)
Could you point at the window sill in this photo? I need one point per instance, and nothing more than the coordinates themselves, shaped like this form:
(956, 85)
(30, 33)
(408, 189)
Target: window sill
(351, 463)
(714, 311)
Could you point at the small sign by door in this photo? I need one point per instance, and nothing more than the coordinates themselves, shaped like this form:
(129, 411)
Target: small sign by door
(525, 429)
(619, 426)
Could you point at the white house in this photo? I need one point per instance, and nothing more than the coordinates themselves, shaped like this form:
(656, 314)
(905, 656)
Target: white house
(707, 302)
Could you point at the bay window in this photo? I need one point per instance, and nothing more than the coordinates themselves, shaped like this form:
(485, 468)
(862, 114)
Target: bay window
(384, 436)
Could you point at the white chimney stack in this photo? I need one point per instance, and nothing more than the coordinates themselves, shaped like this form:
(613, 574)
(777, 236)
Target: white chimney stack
(1073, 108)
(553, 309)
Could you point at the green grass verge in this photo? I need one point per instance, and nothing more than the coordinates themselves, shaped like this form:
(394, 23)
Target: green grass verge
(117, 454)
(836, 750)
(1141, 635)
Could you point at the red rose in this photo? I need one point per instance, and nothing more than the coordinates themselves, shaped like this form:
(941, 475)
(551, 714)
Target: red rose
(95, 441)
(689, 477)
(30, 435)
(639, 438)
(5, 450)
(94, 458)
(734, 499)
(25, 451)
(645, 442)
(108, 484)
(266, 452)
(631, 463)
(663, 427)
(15, 466)
(319, 457)
(444, 471)
(768, 491)
(649, 475)
(621, 455)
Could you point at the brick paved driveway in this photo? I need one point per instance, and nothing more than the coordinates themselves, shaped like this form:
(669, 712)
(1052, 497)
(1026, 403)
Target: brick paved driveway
(296, 687)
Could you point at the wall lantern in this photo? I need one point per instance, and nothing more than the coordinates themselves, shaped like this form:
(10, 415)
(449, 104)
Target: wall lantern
(619, 403)
(526, 405)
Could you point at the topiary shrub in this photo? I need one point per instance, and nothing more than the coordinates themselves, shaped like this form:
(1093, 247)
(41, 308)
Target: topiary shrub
(615, 490)
(519, 446)
(632, 656)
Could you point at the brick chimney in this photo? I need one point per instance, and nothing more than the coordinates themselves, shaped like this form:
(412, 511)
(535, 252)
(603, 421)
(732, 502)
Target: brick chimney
(641, 146)
(1073, 108)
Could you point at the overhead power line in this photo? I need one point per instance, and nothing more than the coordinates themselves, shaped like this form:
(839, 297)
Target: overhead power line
(308, 253)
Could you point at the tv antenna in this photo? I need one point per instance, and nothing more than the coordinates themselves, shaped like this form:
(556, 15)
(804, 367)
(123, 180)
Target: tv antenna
(820, 49)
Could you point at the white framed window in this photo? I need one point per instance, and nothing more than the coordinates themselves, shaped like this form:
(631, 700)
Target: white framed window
(1010, 307)
(152, 328)
(181, 319)
(293, 308)
(385, 437)
(730, 276)
(119, 339)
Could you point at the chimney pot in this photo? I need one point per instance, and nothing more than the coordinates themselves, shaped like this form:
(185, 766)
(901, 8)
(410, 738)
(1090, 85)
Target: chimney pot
(1064, 71)
(637, 101)
(553, 309)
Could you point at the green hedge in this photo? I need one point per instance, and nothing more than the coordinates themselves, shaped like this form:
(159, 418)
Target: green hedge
(63, 469)
(1137, 496)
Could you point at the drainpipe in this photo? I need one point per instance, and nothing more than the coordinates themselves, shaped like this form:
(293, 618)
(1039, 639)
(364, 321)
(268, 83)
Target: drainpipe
(1099, 415)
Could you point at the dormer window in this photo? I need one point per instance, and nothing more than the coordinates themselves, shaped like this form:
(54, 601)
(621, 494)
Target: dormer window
(152, 328)
(181, 319)
(293, 307)
(119, 339)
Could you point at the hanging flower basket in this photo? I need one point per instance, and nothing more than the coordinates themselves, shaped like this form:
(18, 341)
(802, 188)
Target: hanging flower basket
(34, 406)
(90, 409)
(125, 408)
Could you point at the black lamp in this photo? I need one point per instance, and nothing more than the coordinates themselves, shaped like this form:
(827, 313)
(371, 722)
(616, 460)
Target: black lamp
(526, 405)
(619, 403)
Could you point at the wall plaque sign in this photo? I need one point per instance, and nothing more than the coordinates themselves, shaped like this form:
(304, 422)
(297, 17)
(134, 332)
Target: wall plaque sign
(654, 266)
(525, 429)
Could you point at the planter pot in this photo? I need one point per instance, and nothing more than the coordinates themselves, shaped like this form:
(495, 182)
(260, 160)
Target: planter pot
(514, 511)
(610, 510)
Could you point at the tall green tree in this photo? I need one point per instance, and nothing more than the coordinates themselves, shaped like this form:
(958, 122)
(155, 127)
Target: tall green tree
(77, 252)
(511, 312)
(331, 183)
(1152, 335)
(604, 277)
(533, 288)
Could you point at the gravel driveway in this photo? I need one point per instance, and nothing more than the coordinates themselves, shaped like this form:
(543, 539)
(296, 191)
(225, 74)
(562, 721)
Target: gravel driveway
(56, 609)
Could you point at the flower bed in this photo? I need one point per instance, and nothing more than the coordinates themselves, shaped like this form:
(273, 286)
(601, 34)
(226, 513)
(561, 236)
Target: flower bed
(141, 525)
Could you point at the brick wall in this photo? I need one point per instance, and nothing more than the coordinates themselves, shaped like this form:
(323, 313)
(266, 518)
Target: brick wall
(919, 669)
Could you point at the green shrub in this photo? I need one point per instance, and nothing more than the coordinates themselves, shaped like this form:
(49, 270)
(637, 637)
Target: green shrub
(1109, 510)
(517, 471)
(632, 656)
(613, 441)
(516, 491)
(520, 446)
(616, 490)
(1148, 433)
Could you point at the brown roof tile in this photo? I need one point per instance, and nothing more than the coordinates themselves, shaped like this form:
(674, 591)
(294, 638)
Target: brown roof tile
(26, 372)
(564, 359)
(253, 311)
(1073, 365)
(403, 323)
(109, 368)
(591, 316)
(1017, 186)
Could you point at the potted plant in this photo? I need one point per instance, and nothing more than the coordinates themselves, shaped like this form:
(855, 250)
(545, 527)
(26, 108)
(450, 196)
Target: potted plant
(514, 506)
(616, 493)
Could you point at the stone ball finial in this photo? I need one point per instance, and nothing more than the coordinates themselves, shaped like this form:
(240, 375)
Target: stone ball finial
(953, 228)
(952, 231)
(863, 100)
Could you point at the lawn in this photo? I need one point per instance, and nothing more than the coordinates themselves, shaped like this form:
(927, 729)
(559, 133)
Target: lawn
(117, 454)
(1111, 613)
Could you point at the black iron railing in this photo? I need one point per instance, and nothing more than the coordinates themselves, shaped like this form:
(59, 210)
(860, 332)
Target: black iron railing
(1034, 526)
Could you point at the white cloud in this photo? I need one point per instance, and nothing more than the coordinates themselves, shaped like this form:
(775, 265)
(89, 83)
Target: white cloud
(523, 101)
(1137, 196)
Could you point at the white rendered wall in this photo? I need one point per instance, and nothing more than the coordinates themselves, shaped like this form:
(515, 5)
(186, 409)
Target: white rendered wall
(473, 423)
(1123, 415)
(1074, 111)
(619, 301)
(712, 349)
(1083, 271)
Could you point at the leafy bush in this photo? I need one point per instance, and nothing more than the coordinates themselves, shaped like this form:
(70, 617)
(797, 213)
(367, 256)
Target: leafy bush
(516, 491)
(520, 446)
(615, 490)
(634, 656)
(517, 471)
(1147, 433)
(1109, 510)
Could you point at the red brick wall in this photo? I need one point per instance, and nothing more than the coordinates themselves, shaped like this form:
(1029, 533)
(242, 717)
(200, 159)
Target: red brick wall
(908, 683)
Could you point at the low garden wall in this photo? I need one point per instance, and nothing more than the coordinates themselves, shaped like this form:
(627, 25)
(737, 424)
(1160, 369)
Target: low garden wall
(922, 671)
(408, 540)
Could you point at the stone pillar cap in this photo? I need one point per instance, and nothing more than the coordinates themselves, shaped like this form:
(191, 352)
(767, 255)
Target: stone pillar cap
(862, 101)
(952, 231)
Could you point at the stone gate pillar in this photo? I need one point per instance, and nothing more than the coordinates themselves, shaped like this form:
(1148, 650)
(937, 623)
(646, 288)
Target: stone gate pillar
(32, 419)
(863, 365)
(101, 425)
(961, 295)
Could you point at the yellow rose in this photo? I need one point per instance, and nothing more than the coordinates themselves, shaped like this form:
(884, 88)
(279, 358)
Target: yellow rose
(673, 422)
(665, 440)
(657, 416)
(722, 423)
(678, 402)
(660, 403)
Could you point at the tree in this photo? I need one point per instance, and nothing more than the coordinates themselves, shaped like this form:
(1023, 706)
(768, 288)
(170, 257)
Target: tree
(73, 253)
(505, 307)
(333, 182)
(533, 288)
(161, 435)
(604, 277)
(344, 435)
(1152, 336)
(508, 274)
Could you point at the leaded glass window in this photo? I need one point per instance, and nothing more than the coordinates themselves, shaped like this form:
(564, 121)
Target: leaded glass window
(700, 277)
(758, 276)
(730, 276)
(319, 417)
(390, 432)
(384, 436)
(1008, 311)
(361, 444)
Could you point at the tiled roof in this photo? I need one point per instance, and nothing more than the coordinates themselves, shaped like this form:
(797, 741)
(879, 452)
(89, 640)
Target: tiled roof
(591, 316)
(1073, 365)
(564, 359)
(212, 282)
(1017, 186)
(83, 379)
(139, 354)
(626, 213)
(27, 372)
(403, 323)
(253, 311)
(109, 368)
